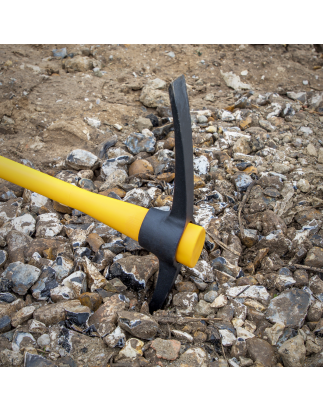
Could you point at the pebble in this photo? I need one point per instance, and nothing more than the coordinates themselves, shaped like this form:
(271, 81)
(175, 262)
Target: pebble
(289, 308)
(137, 324)
(23, 276)
(82, 160)
(166, 349)
(138, 142)
(293, 352)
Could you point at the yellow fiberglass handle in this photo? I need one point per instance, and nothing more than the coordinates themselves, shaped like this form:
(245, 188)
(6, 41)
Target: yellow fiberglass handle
(124, 217)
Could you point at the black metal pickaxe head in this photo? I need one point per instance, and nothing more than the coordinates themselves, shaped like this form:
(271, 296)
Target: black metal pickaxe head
(168, 227)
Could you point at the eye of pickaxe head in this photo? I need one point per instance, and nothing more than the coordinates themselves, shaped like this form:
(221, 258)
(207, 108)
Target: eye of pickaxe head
(161, 231)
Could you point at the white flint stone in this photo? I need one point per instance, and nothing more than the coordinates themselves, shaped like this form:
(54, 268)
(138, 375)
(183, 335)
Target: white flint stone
(25, 224)
(48, 225)
(228, 338)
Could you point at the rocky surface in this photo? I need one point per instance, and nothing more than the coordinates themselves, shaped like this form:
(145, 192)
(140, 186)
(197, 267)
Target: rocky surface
(74, 292)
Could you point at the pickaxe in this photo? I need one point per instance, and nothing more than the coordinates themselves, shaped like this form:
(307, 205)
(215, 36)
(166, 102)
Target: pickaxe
(171, 236)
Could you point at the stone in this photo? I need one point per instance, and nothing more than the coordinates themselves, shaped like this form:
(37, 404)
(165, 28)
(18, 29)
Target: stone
(48, 225)
(24, 224)
(34, 360)
(114, 178)
(137, 142)
(105, 317)
(95, 280)
(94, 241)
(210, 296)
(203, 309)
(61, 293)
(304, 185)
(54, 313)
(3, 257)
(46, 281)
(227, 337)
(91, 300)
(143, 123)
(289, 308)
(318, 330)
(23, 276)
(116, 339)
(78, 315)
(77, 63)
(242, 181)
(22, 340)
(5, 324)
(82, 160)
(132, 349)
(22, 316)
(43, 340)
(152, 97)
(220, 301)
(261, 351)
(10, 358)
(233, 81)
(63, 267)
(256, 292)
(115, 245)
(315, 311)
(185, 301)
(77, 282)
(203, 271)
(166, 349)
(274, 333)
(61, 208)
(311, 150)
(134, 271)
(314, 257)
(239, 348)
(193, 357)
(36, 201)
(242, 146)
(320, 155)
(139, 197)
(137, 324)
(293, 352)
(314, 360)
(249, 238)
(7, 297)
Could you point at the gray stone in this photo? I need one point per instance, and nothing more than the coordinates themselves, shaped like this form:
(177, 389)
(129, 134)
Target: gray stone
(242, 181)
(203, 309)
(34, 360)
(82, 160)
(261, 352)
(137, 324)
(134, 271)
(3, 257)
(151, 97)
(10, 358)
(293, 352)
(143, 123)
(137, 142)
(22, 275)
(47, 281)
(114, 178)
(314, 257)
(5, 324)
(138, 196)
(289, 308)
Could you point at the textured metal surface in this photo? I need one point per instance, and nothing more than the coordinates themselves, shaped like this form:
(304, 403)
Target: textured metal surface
(161, 231)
